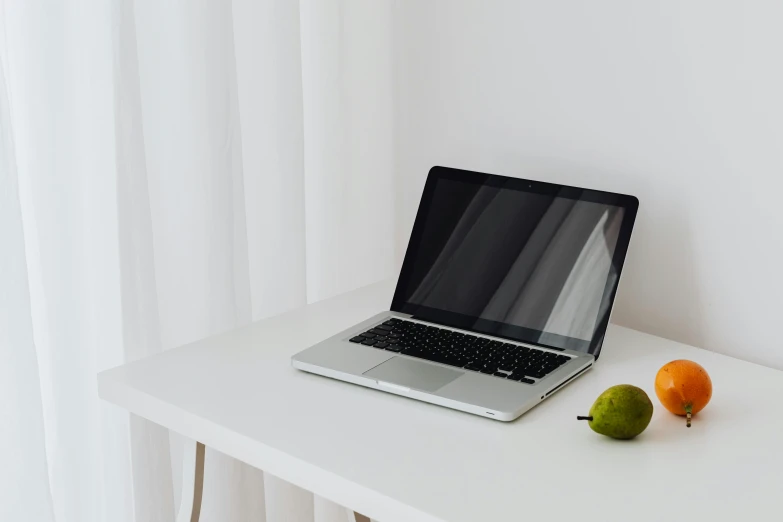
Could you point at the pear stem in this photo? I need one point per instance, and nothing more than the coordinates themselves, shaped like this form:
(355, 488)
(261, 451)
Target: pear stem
(584, 418)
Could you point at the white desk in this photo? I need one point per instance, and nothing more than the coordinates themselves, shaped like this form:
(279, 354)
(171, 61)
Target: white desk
(396, 459)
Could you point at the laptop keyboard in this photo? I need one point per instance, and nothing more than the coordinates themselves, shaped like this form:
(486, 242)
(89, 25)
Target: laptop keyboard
(471, 352)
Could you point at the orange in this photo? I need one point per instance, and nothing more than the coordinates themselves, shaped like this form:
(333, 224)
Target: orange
(683, 387)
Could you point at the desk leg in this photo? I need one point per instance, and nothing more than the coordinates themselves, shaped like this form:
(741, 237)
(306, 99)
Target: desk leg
(192, 482)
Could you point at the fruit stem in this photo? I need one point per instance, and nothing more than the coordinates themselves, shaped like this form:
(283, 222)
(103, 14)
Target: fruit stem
(688, 410)
(584, 418)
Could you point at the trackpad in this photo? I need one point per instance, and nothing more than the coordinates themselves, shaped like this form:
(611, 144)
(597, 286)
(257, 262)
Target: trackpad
(413, 374)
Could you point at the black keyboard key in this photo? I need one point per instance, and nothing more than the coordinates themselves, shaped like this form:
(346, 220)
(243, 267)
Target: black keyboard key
(376, 331)
(527, 381)
(425, 354)
(393, 322)
(381, 345)
(500, 374)
(368, 335)
(369, 342)
(487, 370)
(383, 327)
(515, 377)
(357, 339)
(473, 367)
(394, 349)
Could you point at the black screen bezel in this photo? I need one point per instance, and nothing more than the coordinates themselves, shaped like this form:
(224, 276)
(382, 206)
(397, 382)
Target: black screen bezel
(630, 204)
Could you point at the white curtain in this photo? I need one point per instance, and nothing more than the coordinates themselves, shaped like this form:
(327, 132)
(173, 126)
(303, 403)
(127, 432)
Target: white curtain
(168, 170)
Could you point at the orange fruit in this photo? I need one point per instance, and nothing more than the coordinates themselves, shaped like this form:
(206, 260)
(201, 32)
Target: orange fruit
(683, 387)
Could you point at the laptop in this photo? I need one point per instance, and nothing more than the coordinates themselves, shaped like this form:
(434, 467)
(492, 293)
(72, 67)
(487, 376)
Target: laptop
(504, 296)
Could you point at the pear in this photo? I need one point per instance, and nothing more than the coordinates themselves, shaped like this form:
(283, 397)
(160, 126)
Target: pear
(621, 412)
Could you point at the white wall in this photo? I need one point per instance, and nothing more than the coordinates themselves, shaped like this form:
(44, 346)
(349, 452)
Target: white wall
(679, 103)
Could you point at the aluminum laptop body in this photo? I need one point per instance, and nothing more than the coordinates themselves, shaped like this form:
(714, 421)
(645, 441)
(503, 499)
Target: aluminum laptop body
(504, 296)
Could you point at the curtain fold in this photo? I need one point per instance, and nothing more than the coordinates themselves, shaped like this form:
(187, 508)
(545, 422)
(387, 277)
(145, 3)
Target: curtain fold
(150, 455)
(24, 481)
(171, 170)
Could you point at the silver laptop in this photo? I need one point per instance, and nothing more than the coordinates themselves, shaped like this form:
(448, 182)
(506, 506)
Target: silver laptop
(503, 298)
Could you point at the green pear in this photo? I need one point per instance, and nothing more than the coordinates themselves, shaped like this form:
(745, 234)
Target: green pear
(621, 412)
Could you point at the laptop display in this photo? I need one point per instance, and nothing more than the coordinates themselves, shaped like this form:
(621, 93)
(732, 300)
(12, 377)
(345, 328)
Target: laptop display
(529, 261)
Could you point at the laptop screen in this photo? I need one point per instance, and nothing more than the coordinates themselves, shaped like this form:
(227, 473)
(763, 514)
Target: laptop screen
(529, 261)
